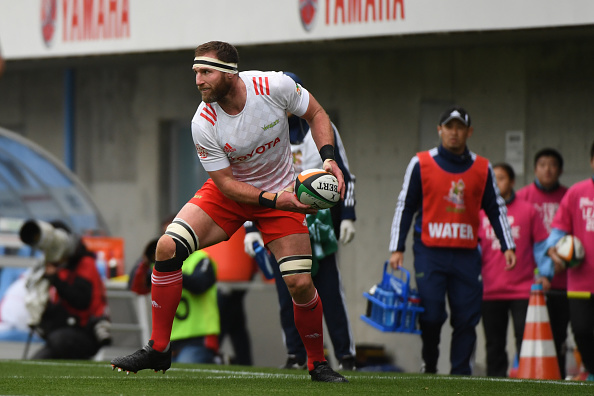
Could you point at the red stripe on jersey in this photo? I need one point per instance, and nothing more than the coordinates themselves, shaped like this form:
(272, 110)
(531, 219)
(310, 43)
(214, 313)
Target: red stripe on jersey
(209, 114)
(267, 86)
(259, 85)
(207, 118)
(256, 88)
(211, 111)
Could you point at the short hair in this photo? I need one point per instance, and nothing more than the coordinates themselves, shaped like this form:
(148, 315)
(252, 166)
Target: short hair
(549, 152)
(225, 51)
(592, 151)
(507, 168)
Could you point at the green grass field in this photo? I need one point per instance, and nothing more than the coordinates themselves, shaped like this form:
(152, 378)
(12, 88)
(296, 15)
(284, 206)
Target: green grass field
(31, 377)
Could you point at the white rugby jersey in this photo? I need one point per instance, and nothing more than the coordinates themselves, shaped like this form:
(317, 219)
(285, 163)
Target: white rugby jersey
(255, 142)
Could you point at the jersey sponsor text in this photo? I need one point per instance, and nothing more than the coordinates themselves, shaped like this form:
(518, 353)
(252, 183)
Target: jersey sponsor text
(259, 150)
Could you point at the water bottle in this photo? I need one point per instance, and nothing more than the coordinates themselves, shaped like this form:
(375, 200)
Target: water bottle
(385, 315)
(371, 311)
(389, 297)
(113, 267)
(411, 311)
(263, 259)
(101, 264)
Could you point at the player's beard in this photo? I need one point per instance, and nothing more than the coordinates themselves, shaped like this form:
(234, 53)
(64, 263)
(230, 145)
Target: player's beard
(217, 91)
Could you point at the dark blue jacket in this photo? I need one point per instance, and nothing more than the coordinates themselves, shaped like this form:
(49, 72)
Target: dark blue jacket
(410, 200)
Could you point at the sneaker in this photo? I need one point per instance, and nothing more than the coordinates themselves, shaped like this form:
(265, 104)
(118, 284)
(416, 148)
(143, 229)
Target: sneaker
(323, 373)
(145, 358)
(347, 363)
(294, 363)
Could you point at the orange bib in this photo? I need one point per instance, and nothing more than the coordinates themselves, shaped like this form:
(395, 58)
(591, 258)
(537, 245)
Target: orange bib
(451, 203)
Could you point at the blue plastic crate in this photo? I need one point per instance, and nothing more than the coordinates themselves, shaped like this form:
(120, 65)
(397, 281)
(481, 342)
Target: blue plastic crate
(392, 308)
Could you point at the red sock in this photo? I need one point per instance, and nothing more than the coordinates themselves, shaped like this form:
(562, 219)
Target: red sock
(165, 294)
(308, 320)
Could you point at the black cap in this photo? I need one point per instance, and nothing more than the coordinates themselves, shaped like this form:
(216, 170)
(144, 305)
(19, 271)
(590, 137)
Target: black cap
(455, 112)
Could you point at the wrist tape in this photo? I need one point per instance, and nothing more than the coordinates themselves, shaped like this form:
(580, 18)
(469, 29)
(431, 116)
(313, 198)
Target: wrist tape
(267, 199)
(327, 152)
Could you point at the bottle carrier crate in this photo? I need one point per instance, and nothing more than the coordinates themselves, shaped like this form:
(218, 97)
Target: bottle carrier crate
(392, 305)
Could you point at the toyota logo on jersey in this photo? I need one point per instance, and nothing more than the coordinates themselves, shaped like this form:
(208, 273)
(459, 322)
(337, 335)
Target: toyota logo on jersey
(307, 12)
(48, 20)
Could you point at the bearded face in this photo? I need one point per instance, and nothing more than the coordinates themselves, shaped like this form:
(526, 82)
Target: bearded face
(213, 85)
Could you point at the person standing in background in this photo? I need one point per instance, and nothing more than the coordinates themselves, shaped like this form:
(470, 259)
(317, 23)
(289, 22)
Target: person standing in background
(326, 277)
(575, 216)
(448, 186)
(507, 293)
(545, 193)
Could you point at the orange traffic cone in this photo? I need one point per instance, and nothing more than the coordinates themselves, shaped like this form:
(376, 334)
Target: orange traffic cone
(538, 359)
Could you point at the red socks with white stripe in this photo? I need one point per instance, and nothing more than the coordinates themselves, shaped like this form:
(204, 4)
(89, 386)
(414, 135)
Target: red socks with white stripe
(165, 294)
(308, 320)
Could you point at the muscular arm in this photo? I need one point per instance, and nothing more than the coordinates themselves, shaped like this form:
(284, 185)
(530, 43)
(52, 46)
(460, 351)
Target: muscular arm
(323, 134)
(319, 122)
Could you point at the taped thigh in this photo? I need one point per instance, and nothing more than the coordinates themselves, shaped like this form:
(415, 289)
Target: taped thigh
(181, 232)
(293, 265)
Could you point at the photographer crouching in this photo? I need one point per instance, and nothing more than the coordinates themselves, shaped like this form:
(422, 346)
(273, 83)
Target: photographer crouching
(66, 296)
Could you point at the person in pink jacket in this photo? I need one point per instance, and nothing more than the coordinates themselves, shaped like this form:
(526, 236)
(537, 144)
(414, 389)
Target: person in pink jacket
(546, 193)
(507, 292)
(575, 216)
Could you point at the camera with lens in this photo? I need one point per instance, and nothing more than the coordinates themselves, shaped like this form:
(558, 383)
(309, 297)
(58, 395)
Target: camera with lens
(56, 243)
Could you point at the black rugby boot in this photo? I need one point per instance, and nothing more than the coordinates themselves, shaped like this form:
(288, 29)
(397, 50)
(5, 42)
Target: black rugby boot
(145, 358)
(323, 373)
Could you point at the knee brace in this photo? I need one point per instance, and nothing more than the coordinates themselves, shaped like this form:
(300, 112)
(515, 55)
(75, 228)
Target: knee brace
(293, 265)
(186, 243)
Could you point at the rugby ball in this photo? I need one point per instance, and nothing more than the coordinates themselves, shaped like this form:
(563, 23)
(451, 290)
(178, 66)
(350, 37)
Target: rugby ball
(571, 250)
(317, 188)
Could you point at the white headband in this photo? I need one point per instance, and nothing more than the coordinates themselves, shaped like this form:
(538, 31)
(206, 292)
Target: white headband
(215, 64)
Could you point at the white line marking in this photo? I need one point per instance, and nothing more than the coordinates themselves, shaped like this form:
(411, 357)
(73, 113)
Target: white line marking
(222, 374)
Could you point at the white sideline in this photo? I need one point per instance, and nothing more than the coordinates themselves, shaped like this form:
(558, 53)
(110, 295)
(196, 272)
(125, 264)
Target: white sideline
(254, 374)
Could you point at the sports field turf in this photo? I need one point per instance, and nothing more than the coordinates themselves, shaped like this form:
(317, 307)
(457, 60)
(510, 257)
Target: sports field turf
(30, 377)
